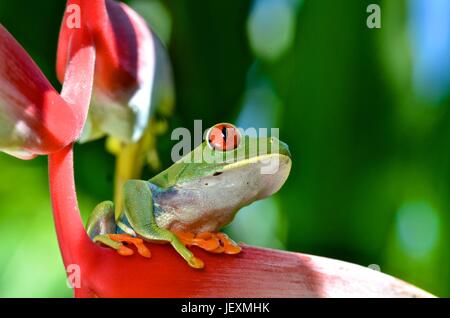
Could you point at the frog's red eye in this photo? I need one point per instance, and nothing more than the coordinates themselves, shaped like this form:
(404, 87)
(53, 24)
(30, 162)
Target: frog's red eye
(224, 137)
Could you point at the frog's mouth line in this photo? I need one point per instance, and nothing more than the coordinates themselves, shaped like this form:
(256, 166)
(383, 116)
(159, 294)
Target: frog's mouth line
(269, 173)
(266, 161)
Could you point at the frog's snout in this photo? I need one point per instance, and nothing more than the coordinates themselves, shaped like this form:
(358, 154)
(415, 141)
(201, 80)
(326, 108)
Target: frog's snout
(283, 148)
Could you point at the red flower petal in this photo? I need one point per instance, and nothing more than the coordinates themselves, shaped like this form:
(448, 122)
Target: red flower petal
(79, 75)
(34, 118)
(129, 59)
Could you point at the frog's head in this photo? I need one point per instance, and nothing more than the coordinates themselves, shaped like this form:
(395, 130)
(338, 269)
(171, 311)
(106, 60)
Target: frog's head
(257, 166)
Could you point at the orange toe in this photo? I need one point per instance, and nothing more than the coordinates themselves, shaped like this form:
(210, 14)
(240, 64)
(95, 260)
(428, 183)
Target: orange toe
(211, 242)
(125, 251)
(230, 247)
(137, 242)
(143, 250)
(207, 241)
(218, 250)
(208, 245)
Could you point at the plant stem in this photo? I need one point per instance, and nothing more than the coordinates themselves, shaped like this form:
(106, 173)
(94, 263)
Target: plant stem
(69, 226)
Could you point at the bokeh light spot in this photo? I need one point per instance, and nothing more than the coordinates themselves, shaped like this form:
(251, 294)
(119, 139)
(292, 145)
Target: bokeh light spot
(271, 28)
(430, 39)
(418, 228)
(258, 224)
(261, 106)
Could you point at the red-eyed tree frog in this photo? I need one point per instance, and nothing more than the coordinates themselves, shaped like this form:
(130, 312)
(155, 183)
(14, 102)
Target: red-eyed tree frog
(188, 203)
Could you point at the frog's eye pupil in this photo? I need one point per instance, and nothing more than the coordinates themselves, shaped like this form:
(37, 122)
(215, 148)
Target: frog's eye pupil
(224, 133)
(224, 137)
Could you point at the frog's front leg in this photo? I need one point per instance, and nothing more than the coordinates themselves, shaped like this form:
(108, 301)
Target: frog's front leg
(101, 228)
(138, 204)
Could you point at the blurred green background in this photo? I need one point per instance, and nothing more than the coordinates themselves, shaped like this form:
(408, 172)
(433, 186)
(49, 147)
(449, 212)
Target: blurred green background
(366, 113)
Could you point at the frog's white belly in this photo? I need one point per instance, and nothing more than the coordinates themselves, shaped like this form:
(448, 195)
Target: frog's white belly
(209, 203)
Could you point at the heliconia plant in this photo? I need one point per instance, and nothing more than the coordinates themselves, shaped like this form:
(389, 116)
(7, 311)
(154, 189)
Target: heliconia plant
(132, 73)
(109, 52)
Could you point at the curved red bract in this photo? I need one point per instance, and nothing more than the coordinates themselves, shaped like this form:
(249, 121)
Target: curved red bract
(116, 39)
(27, 97)
(128, 55)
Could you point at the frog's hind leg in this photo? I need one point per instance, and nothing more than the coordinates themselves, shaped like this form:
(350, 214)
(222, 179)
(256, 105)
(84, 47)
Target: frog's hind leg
(138, 203)
(101, 221)
(209, 241)
(101, 228)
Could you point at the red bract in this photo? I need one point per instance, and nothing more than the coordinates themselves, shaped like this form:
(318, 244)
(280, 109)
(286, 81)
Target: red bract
(34, 119)
(116, 44)
(128, 59)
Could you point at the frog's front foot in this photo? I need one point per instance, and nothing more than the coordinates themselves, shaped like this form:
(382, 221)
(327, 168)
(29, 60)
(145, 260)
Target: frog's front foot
(127, 239)
(211, 242)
